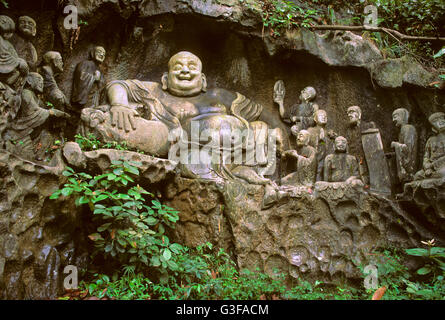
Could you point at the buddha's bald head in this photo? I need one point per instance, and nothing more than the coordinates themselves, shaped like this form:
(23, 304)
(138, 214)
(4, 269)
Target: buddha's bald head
(184, 77)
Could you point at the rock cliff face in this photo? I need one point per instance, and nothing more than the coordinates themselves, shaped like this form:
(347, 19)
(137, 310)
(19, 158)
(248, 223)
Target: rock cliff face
(321, 235)
(38, 236)
(317, 234)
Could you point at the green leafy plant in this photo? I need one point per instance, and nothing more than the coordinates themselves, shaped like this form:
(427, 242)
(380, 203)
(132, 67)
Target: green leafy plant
(130, 286)
(129, 231)
(392, 273)
(210, 274)
(305, 290)
(279, 15)
(434, 256)
(91, 142)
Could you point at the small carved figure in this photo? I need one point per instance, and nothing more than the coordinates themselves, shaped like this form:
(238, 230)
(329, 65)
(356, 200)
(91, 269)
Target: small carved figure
(87, 80)
(53, 65)
(320, 139)
(434, 158)
(300, 114)
(354, 138)
(306, 162)
(406, 147)
(28, 125)
(13, 70)
(366, 144)
(341, 166)
(27, 28)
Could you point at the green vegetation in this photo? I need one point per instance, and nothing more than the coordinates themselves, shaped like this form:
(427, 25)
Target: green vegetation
(91, 142)
(410, 17)
(279, 15)
(138, 260)
(129, 231)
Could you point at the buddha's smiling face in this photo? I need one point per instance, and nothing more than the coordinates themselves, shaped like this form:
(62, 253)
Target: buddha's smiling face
(185, 76)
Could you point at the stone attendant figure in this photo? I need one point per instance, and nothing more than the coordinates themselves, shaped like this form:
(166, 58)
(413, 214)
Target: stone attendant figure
(354, 137)
(29, 122)
(406, 147)
(434, 158)
(13, 70)
(320, 139)
(302, 115)
(27, 28)
(87, 81)
(53, 65)
(340, 166)
(306, 158)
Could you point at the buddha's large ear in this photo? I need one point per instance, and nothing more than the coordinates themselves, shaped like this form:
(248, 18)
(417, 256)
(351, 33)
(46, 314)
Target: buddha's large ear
(204, 82)
(164, 81)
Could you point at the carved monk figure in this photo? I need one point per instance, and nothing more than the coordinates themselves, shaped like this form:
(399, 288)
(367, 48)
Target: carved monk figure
(144, 113)
(87, 80)
(406, 147)
(13, 70)
(27, 28)
(340, 166)
(305, 156)
(302, 115)
(320, 139)
(434, 158)
(29, 122)
(53, 65)
(354, 137)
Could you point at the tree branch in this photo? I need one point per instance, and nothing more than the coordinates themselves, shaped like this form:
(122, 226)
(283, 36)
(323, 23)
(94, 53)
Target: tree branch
(392, 32)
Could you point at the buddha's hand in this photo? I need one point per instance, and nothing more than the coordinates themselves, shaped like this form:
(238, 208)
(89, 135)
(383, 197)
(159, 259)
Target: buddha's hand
(123, 118)
(59, 114)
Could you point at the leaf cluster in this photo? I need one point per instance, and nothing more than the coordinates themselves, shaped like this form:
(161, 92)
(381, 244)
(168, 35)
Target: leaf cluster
(130, 229)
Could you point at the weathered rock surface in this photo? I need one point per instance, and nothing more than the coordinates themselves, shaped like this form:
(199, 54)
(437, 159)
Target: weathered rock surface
(322, 234)
(315, 234)
(335, 48)
(429, 196)
(151, 168)
(37, 235)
